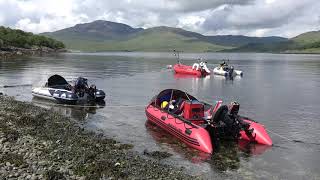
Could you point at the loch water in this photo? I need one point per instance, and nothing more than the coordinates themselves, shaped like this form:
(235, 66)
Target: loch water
(279, 90)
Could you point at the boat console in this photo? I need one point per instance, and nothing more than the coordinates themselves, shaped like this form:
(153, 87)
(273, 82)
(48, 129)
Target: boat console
(193, 110)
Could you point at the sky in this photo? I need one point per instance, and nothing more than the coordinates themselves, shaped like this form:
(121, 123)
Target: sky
(286, 18)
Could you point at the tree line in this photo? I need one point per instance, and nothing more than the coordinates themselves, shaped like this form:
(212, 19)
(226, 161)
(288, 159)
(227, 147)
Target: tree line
(18, 38)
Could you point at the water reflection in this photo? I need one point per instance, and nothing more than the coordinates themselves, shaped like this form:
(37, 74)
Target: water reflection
(162, 138)
(252, 149)
(79, 112)
(226, 157)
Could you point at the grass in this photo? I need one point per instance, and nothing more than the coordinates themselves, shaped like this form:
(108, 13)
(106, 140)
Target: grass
(307, 38)
(149, 41)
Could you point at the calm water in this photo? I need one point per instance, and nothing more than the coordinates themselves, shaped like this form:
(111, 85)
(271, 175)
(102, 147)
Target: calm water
(280, 91)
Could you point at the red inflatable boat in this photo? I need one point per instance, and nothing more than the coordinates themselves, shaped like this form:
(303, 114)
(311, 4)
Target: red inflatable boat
(191, 70)
(201, 125)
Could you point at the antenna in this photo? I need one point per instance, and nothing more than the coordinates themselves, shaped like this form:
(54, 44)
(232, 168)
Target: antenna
(177, 54)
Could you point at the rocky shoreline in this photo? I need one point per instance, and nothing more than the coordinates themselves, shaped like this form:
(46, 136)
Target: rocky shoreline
(10, 52)
(36, 143)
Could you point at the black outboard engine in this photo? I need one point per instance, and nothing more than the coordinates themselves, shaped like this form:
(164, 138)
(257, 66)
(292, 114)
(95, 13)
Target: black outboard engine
(231, 69)
(227, 124)
(234, 108)
(233, 111)
(81, 86)
(92, 92)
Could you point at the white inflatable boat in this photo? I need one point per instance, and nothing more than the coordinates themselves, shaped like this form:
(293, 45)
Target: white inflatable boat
(227, 71)
(58, 89)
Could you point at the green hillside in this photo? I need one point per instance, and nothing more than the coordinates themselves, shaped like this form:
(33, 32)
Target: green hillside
(20, 39)
(239, 40)
(308, 42)
(307, 38)
(110, 36)
(304, 43)
(150, 41)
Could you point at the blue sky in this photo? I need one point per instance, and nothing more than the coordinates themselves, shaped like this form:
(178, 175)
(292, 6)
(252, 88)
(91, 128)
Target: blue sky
(211, 17)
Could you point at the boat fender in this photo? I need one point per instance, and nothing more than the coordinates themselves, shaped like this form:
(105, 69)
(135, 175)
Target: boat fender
(195, 66)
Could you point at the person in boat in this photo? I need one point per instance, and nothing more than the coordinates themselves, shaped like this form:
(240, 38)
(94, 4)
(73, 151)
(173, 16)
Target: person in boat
(168, 105)
(223, 64)
(174, 106)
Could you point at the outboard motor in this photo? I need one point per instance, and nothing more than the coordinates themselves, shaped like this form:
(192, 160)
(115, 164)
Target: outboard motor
(227, 125)
(233, 111)
(81, 86)
(92, 91)
(231, 69)
(234, 108)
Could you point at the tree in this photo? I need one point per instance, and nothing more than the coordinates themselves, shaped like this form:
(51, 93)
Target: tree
(19, 38)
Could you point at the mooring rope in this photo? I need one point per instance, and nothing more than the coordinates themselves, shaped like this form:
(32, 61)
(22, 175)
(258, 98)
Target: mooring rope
(18, 85)
(283, 137)
(291, 140)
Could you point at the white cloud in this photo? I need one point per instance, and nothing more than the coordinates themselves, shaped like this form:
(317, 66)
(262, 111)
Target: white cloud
(285, 17)
(191, 22)
(248, 17)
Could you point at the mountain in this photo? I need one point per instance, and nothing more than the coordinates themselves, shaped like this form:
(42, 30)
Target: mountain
(110, 36)
(97, 30)
(308, 42)
(307, 38)
(239, 40)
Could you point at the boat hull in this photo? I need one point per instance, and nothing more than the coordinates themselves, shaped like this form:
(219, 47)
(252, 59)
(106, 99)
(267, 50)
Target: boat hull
(63, 95)
(197, 136)
(220, 71)
(259, 133)
(184, 69)
(193, 135)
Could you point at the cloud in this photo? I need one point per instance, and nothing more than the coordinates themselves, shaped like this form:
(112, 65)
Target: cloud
(248, 17)
(264, 17)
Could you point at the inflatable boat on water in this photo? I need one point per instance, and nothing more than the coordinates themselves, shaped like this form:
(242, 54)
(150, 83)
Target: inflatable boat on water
(58, 89)
(227, 71)
(201, 125)
(198, 69)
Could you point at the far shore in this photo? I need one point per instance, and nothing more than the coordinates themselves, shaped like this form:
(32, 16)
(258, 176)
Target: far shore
(189, 52)
(11, 52)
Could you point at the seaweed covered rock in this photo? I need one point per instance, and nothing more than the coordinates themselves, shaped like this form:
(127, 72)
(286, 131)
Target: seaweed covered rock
(36, 143)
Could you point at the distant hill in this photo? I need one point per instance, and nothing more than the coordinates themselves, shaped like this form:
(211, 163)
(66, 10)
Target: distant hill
(308, 42)
(110, 36)
(239, 40)
(307, 38)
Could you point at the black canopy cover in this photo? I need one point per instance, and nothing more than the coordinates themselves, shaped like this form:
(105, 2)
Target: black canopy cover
(56, 80)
